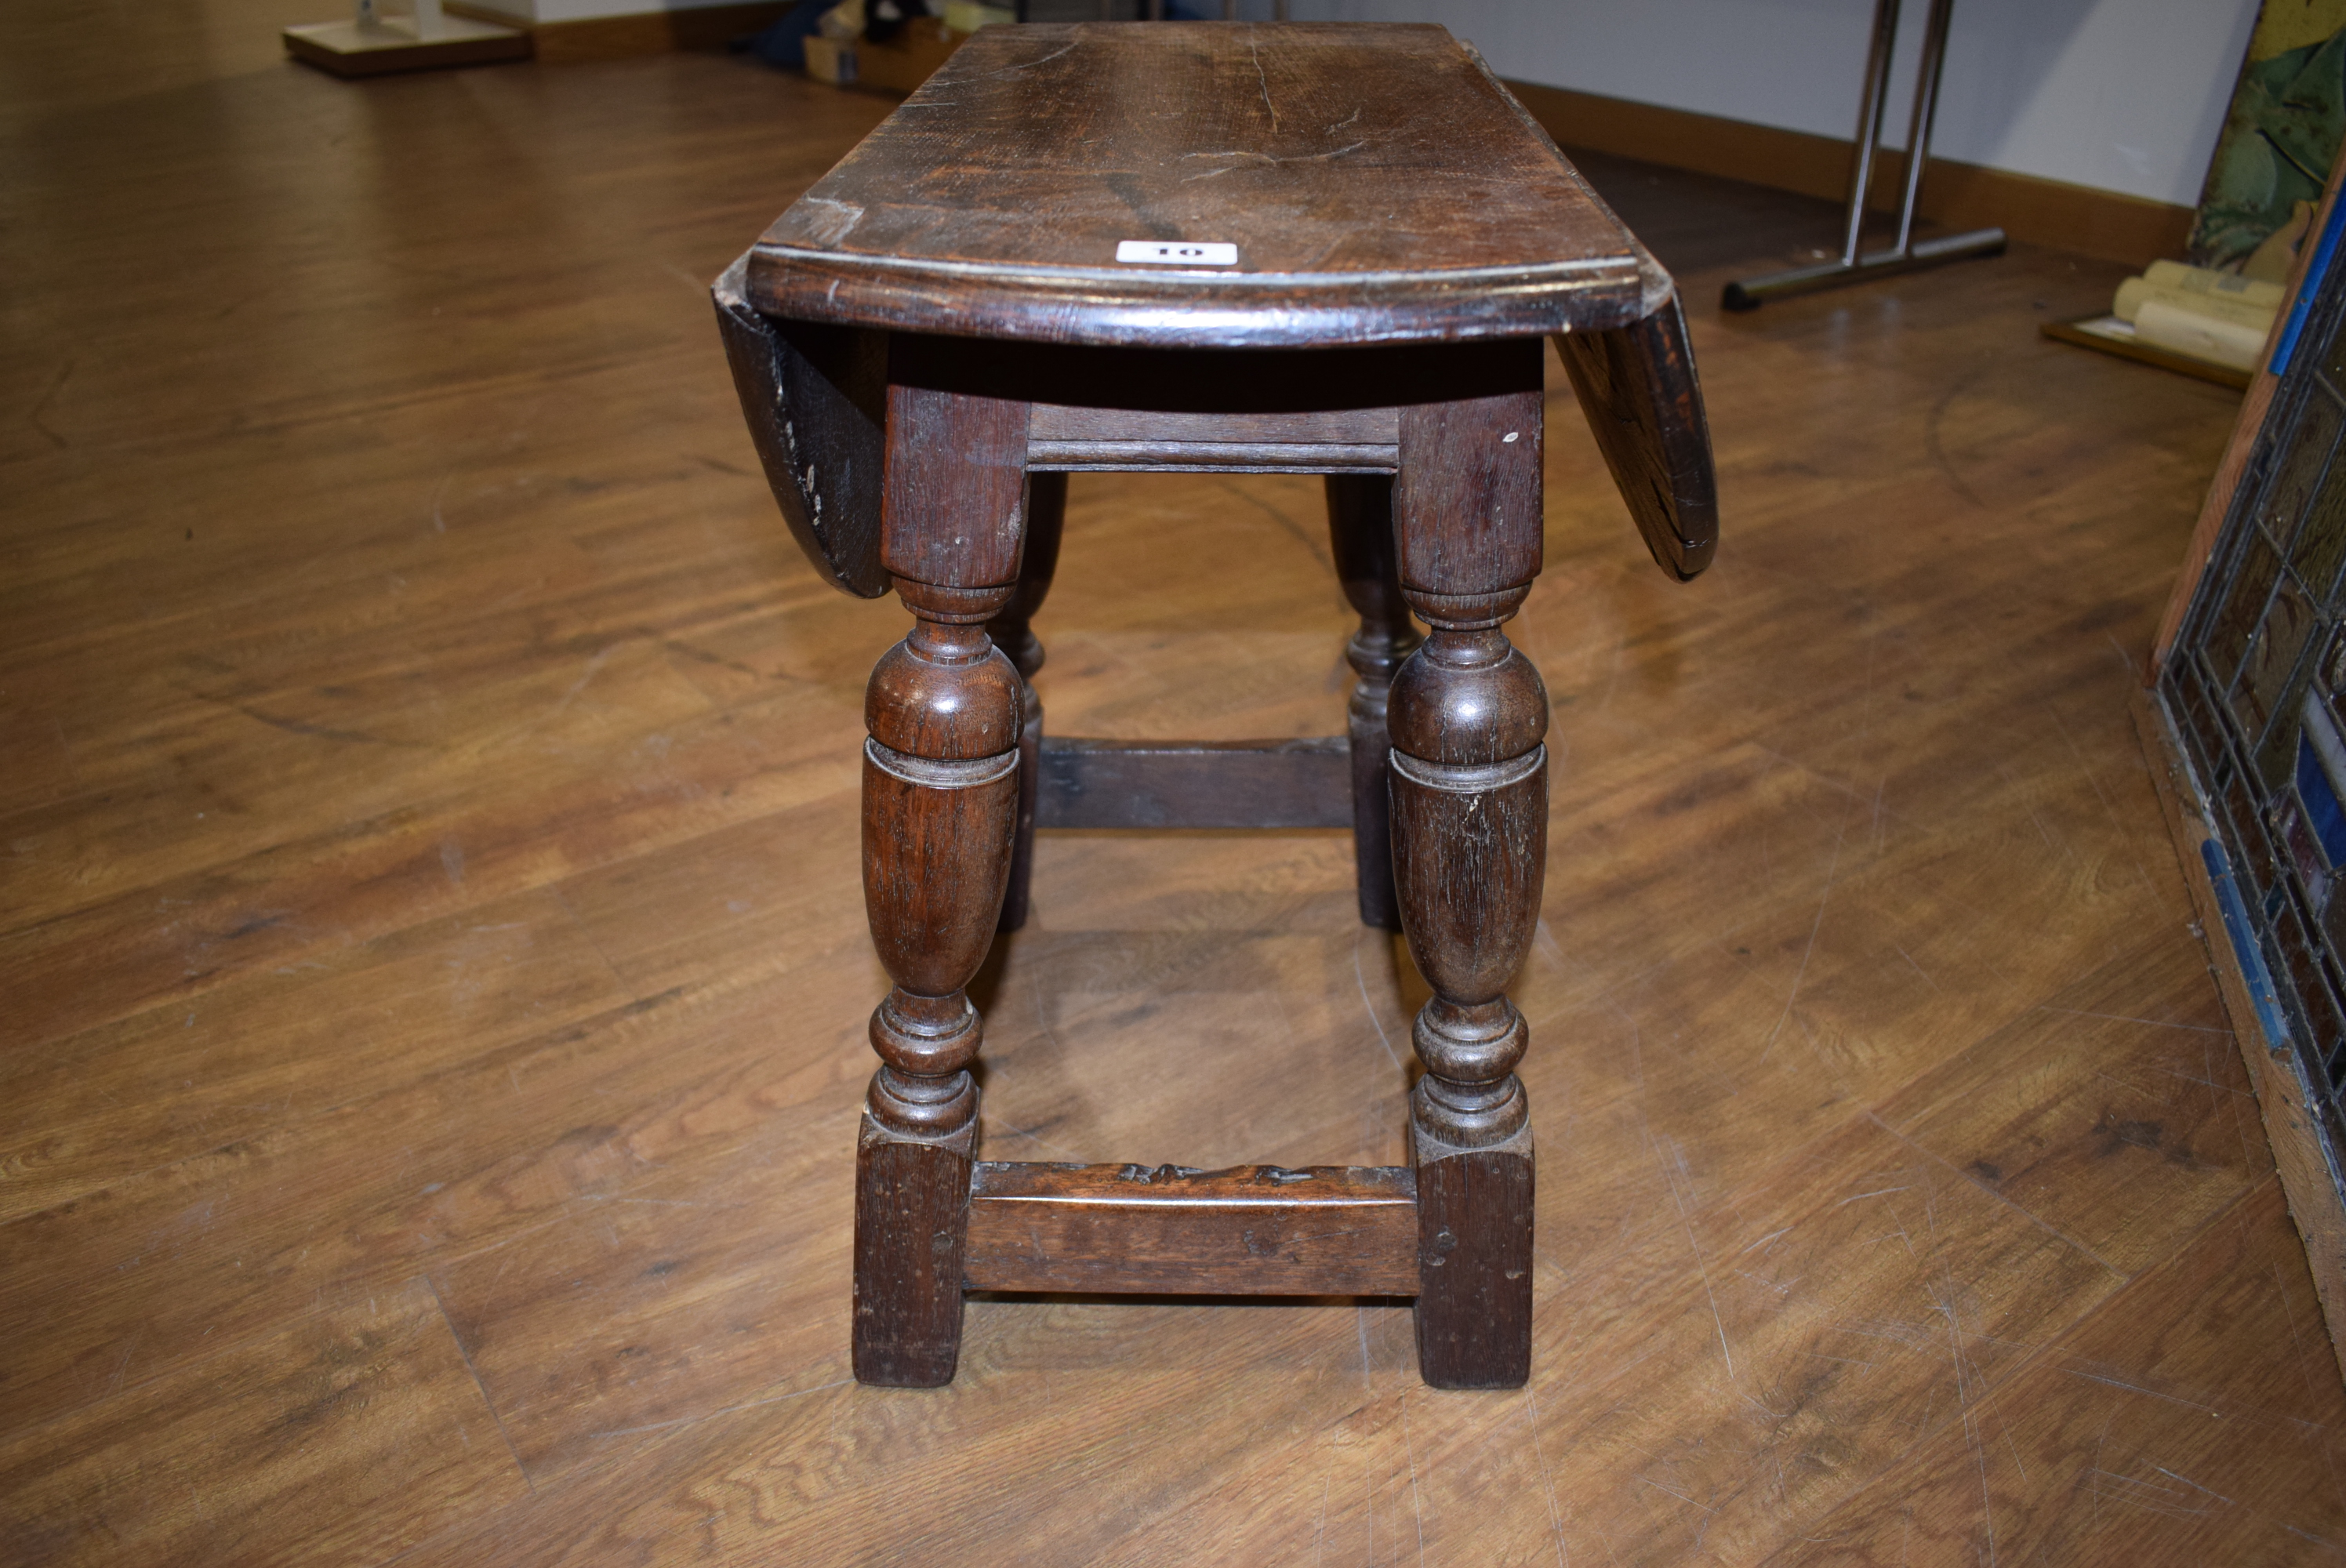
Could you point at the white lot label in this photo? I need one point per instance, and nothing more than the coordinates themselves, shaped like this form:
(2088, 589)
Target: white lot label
(1177, 253)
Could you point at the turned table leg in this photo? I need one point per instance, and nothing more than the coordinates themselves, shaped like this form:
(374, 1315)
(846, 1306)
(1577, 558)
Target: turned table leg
(1468, 718)
(1470, 846)
(1013, 633)
(940, 816)
(1359, 527)
(940, 811)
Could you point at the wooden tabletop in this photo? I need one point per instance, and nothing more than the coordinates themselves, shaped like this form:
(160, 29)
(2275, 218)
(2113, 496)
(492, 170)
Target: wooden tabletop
(1368, 183)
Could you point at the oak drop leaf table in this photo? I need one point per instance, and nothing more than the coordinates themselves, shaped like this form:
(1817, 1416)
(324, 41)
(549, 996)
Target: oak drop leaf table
(1329, 249)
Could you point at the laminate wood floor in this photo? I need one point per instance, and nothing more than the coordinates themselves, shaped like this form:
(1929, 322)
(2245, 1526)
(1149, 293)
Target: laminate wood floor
(435, 978)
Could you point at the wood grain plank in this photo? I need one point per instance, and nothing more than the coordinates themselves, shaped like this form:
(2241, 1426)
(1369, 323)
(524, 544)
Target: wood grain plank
(2156, 1097)
(1830, 1307)
(246, 1059)
(156, 1268)
(656, 1306)
(2137, 1440)
(1072, 1497)
(1851, 805)
(357, 1432)
(279, 904)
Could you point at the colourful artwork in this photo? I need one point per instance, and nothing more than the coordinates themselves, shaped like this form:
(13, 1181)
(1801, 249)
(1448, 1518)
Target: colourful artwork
(2272, 162)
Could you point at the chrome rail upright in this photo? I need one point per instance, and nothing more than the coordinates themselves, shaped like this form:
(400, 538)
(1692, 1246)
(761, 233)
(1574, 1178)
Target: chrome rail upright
(1907, 254)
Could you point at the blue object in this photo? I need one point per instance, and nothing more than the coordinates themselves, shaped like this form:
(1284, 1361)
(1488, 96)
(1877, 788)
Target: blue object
(782, 44)
(2324, 813)
(2307, 291)
(2246, 948)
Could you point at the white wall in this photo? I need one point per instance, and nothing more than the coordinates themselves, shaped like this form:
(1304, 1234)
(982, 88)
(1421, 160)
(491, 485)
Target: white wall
(2122, 94)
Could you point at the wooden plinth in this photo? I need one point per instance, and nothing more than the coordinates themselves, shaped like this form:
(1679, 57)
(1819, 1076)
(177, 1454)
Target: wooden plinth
(347, 50)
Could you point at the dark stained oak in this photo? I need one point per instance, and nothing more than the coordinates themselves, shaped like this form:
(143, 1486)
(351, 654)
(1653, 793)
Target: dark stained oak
(1013, 631)
(808, 389)
(1195, 784)
(1257, 1230)
(1379, 184)
(911, 1199)
(955, 495)
(1467, 717)
(1077, 440)
(1360, 541)
(958, 777)
(1638, 386)
(1473, 1309)
(1467, 497)
(941, 814)
(973, 226)
(1345, 395)
(815, 399)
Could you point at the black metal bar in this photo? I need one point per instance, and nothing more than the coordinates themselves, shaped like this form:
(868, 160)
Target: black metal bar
(1872, 100)
(1926, 110)
(1906, 255)
(1976, 242)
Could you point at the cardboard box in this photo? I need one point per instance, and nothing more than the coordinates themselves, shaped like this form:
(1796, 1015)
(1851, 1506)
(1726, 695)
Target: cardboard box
(830, 60)
(909, 58)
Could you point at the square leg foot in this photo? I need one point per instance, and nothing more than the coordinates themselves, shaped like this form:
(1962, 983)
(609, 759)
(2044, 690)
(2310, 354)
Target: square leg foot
(1474, 1263)
(912, 1219)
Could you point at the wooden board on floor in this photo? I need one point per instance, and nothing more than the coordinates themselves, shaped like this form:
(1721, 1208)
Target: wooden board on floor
(2075, 331)
(346, 49)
